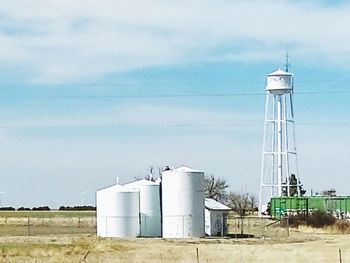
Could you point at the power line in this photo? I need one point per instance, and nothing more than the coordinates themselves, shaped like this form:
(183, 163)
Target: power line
(73, 97)
(165, 126)
(117, 126)
(203, 82)
(169, 96)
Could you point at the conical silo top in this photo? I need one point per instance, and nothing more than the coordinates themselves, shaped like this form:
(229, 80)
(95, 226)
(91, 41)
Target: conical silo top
(280, 72)
(117, 188)
(141, 182)
(186, 169)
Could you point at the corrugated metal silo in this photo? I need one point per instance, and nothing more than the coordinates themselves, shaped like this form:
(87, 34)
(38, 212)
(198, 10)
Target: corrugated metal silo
(150, 217)
(183, 203)
(117, 212)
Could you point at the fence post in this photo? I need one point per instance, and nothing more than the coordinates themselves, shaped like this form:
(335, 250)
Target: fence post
(106, 226)
(249, 226)
(183, 226)
(28, 224)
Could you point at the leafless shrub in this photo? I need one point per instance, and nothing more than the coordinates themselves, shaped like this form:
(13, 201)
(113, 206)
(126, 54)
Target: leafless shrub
(215, 187)
(241, 203)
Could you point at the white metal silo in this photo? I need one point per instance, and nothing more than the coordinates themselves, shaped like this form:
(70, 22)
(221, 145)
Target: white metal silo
(117, 209)
(182, 203)
(150, 218)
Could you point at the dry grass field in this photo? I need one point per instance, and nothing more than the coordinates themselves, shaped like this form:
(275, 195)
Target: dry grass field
(303, 245)
(33, 223)
(299, 247)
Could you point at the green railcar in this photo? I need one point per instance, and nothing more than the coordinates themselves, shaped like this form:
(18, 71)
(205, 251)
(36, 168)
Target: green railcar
(281, 206)
(339, 206)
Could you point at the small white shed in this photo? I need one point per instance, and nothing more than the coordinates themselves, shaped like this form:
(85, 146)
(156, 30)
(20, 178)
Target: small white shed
(215, 217)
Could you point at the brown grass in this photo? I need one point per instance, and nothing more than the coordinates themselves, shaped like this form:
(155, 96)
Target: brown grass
(305, 244)
(47, 214)
(340, 227)
(299, 247)
(18, 226)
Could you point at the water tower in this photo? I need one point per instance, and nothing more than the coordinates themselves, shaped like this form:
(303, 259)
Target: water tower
(279, 175)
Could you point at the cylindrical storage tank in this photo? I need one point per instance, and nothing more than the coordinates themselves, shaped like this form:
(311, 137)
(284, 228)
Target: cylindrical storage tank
(182, 203)
(279, 82)
(150, 218)
(117, 210)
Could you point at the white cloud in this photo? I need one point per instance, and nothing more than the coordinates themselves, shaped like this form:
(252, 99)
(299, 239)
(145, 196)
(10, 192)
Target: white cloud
(138, 115)
(323, 156)
(67, 41)
(52, 158)
(62, 41)
(61, 168)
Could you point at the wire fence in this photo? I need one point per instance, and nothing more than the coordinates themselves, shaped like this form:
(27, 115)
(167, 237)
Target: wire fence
(258, 227)
(35, 226)
(234, 227)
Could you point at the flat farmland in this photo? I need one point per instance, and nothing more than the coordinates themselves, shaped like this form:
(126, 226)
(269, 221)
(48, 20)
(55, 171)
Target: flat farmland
(47, 214)
(89, 248)
(32, 223)
(302, 245)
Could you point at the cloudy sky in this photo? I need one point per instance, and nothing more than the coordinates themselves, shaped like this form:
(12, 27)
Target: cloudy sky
(93, 90)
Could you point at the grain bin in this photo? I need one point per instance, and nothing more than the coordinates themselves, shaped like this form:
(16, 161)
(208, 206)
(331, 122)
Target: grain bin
(117, 212)
(150, 218)
(182, 203)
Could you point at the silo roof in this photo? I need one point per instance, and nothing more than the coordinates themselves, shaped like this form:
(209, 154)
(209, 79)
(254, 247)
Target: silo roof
(186, 169)
(140, 183)
(212, 204)
(117, 188)
(279, 72)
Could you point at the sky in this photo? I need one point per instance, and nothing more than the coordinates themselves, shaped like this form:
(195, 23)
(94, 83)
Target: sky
(95, 90)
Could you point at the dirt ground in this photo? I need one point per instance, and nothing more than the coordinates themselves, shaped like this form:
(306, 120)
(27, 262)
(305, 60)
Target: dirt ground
(304, 245)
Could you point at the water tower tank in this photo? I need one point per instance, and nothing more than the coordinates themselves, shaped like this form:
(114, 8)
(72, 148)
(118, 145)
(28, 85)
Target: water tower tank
(150, 218)
(182, 203)
(279, 82)
(117, 212)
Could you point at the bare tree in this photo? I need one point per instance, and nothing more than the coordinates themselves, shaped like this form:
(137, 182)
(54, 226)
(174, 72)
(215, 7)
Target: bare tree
(329, 192)
(215, 187)
(253, 202)
(241, 203)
